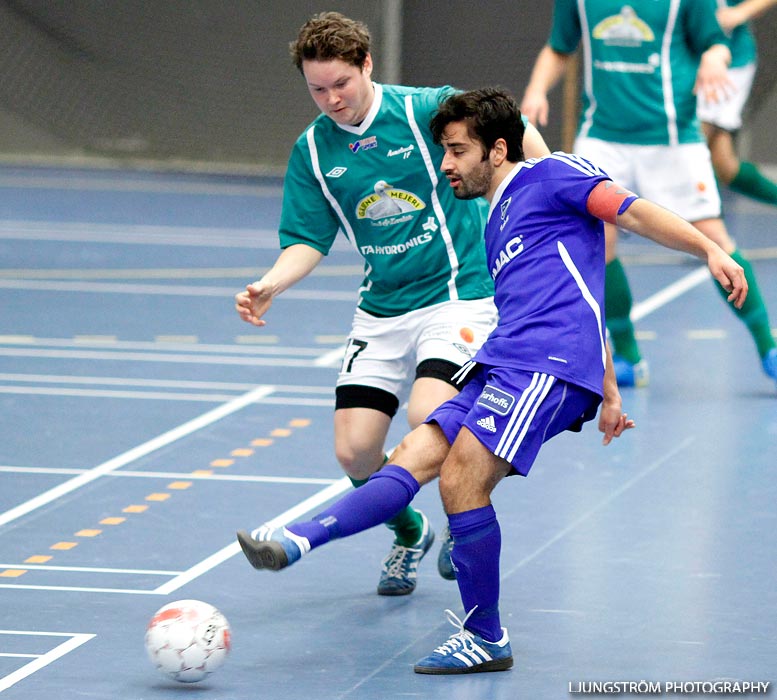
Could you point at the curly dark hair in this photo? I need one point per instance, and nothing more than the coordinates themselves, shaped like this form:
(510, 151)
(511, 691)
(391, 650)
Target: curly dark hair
(328, 36)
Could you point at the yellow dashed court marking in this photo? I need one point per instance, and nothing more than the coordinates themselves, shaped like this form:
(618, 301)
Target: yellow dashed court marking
(157, 496)
(222, 462)
(175, 485)
(242, 452)
(38, 559)
(135, 509)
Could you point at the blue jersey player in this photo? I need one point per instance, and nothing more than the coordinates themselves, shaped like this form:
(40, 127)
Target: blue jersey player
(546, 368)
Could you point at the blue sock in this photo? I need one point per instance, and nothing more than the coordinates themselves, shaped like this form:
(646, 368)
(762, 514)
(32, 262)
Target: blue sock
(477, 544)
(386, 493)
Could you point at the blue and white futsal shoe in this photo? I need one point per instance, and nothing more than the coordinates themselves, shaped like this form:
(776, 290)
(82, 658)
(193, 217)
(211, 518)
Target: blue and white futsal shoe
(628, 374)
(272, 548)
(467, 652)
(399, 570)
(769, 363)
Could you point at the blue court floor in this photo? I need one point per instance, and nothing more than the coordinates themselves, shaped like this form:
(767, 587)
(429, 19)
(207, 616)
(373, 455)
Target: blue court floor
(142, 423)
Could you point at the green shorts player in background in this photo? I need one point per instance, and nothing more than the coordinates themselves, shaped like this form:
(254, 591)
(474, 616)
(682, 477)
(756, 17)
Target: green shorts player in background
(644, 64)
(721, 120)
(368, 166)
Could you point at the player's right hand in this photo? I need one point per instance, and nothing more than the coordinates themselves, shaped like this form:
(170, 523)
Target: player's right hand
(253, 303)
(535, 108)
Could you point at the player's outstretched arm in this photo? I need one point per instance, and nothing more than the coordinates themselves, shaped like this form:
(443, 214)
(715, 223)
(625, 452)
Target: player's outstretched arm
(534, 145)
(731, 16)
(548, 70)
(294, 263)
(612, 421)
(663, 226)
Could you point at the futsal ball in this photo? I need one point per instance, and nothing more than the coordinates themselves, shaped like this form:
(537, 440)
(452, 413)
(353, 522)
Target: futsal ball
(187, 640)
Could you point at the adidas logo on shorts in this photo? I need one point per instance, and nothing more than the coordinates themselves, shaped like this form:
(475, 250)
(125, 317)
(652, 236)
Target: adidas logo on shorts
(488, 424)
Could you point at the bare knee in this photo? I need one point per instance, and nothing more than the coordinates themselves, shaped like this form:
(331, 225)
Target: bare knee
(422, 452)
(359, 461)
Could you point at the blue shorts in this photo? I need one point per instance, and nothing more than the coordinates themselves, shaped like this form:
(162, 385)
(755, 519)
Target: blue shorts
(512, 412)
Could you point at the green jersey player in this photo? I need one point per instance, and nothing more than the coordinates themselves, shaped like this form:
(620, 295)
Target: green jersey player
(721, 121)
(368, 166)
(644, 64)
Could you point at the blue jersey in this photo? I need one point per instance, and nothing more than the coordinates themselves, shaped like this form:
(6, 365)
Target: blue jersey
(545, 253)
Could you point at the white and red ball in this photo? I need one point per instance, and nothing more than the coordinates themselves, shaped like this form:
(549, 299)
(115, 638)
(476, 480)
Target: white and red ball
(187, 640)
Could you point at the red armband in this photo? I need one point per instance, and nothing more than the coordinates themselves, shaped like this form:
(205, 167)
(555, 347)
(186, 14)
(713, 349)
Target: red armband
(607, 200)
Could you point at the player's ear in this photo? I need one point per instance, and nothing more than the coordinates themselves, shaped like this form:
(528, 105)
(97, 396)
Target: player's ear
(367, 67)
(498, 152)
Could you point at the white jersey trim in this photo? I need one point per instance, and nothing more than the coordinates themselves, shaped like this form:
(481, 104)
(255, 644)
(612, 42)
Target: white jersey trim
(436, 206)
(588, 77)
(345, 226)
(666, 74)
(583, 287)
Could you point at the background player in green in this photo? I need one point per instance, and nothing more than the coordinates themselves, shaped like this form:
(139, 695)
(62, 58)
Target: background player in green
(644, 65)
(368, 166)
(721, 120)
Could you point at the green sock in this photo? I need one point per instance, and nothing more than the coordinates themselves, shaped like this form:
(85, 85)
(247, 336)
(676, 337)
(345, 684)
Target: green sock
(357, 482)
(753, 313)
(751, 182)
(617, 310)
(406, 525)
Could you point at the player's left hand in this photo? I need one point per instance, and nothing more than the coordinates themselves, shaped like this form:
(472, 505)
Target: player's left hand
(713, 83)
(613, 423)
(730, 275)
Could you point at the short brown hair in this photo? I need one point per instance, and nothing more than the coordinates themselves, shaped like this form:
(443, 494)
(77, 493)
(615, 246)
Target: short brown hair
(328, 36)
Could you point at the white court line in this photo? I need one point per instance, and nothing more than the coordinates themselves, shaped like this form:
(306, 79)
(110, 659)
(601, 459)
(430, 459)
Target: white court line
(157, 346)
(135, 453)
(159, 383)
(168, 290)
(332, 358)
(230, 550)
(76, 589)
(250, 478)
(159, 357)
(91, 570)
(159, 396)
(670, 293)
(139, 185)
(75, 641)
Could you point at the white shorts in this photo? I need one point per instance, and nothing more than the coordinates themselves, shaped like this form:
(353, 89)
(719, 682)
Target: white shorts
(727, 115)
(679, 178)
(384, 352)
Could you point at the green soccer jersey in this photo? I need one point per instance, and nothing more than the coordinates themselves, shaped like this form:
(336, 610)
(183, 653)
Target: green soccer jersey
(743, 47)
(380, 184)
(640, 62)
